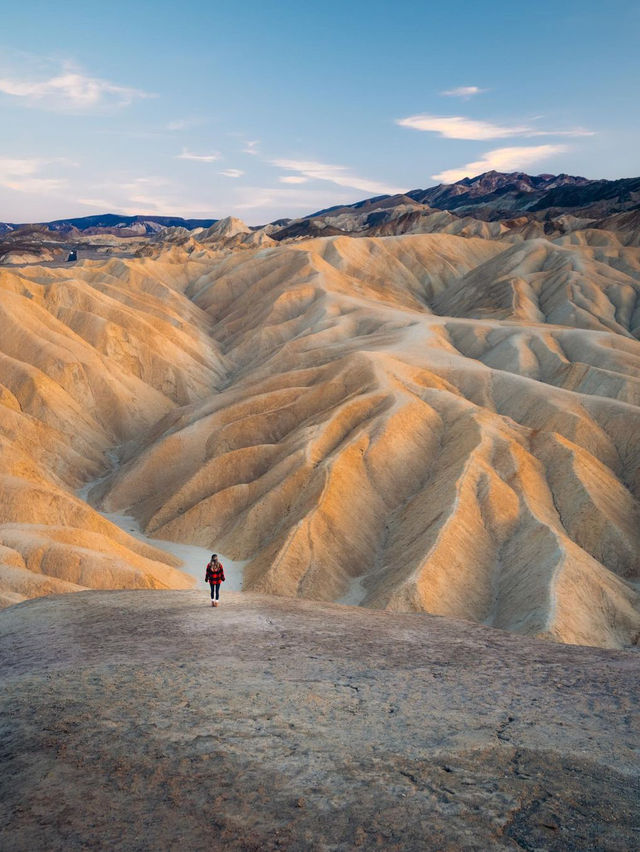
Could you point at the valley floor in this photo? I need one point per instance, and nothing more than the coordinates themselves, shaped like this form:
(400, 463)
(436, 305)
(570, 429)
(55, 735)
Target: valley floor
(147, 720)
(194, 559)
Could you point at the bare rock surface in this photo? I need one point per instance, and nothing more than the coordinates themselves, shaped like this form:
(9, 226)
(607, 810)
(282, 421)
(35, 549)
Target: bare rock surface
(148, 720)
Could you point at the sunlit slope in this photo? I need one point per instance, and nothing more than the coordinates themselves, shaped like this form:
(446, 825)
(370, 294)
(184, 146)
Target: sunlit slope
(365, 446)
(586, 280)
(419, 422)
(91, 357)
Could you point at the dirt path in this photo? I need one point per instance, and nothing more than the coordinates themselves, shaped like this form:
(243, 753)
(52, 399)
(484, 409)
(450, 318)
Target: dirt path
(194, 558)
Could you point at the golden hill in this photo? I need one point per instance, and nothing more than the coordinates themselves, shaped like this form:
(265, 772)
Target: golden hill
(425, 422)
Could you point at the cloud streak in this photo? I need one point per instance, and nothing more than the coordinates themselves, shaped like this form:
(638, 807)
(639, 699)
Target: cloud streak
(459, 127)
(20, 175)
(183, 124)
(146, 195)
(199, 158)
(340, 175)
(231, 173)
(502, 160)
(281, 199)
(463, 92)
(70, 90)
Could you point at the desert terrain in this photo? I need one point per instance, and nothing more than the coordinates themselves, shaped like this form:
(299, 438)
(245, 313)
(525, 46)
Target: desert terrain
(445, 419)
(412, 433)
(147, 720)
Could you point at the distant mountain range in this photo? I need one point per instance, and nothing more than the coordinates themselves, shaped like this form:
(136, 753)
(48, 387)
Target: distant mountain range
(495, 195)
(107, 223)
(489, 197)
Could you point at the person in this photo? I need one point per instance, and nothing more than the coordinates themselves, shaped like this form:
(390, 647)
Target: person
(214, 576)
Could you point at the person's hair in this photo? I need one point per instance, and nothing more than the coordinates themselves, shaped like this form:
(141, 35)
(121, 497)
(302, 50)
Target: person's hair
(214, 555)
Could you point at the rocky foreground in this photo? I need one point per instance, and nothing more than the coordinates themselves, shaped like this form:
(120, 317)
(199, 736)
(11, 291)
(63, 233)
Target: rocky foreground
(148, 720)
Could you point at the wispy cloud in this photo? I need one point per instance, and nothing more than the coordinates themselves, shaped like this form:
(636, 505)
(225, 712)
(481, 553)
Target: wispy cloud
(183, 123)
(158, 196)
(339, 175)
(147, 195)
(251, 147)
(459, 127)
(292, 179)
(199, 158)
(21, 175)
(69, 90)
(231, 173)
(463, 92)
(103, 205)
(283, 201)
(502, 160)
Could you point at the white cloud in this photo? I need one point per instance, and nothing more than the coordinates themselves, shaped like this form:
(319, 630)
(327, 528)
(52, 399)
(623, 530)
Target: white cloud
(284, 201)
(576, 131)
(20, 175)
(103, 205)
(157, 196)
(70, 89)
(463, 92)
(154, 196)
(232, 173)
(199, 158)
(459, 127)
(185, 123)
(292, 179)
(339, 175)
(251, 147)
(502, 160)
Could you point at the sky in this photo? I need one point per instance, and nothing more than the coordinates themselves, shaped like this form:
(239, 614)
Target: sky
(265, 110)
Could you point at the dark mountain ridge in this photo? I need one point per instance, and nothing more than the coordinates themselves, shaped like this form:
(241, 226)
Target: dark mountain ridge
(497, 195)
(493, 195)
(513, 199)
(113, 222)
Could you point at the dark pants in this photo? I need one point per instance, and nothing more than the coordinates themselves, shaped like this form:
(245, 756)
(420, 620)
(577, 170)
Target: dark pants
(215, 587)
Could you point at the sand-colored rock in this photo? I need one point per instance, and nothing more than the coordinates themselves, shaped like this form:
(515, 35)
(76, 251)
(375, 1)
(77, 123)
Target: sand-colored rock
(89, 360)
(149, 720)
(419, 422)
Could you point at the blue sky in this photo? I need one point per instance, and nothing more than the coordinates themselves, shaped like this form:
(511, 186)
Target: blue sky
(262, 110)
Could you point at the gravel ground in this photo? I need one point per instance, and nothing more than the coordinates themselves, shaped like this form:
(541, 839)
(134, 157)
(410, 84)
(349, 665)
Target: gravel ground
(149, 720)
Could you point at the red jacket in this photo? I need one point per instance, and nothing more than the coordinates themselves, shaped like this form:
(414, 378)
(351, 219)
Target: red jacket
(215, 574)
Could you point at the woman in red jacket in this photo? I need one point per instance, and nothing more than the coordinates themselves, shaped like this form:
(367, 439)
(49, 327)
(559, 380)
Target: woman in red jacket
(214, 576)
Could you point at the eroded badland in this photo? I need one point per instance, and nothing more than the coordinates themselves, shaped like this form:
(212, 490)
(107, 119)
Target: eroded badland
(440, 422)
(422, 412)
